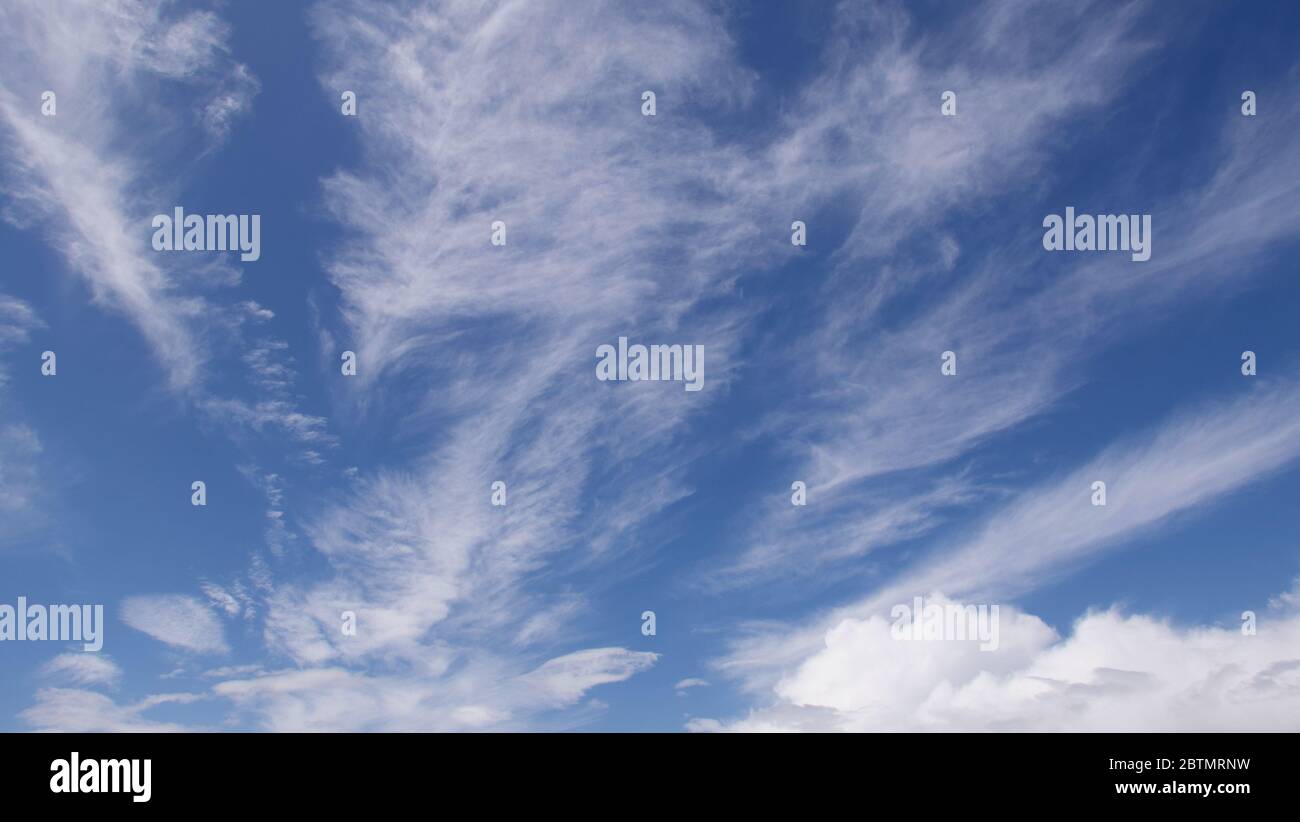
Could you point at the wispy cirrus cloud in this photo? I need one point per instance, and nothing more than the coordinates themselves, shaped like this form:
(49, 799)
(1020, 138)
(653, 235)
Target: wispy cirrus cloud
(870, 400)
(20, 445)
(1193, 460)
(115, 154)
(17, 320)
(476, 361)
(180, 621)
(878, 429)
(494, 116)
(74, 710)
(83, 669)
(483, 694)
(147, 91)
(89, 176)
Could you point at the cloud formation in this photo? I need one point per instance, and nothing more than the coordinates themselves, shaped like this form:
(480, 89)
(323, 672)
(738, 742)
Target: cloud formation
(83, 669)
(475, 362)
(180, 621)
(1113, 672)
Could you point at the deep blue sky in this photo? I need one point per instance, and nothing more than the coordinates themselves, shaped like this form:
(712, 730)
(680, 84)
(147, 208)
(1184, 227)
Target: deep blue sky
(478, 368)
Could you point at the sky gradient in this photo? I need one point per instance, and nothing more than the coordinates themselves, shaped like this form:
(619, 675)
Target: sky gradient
(476, 363)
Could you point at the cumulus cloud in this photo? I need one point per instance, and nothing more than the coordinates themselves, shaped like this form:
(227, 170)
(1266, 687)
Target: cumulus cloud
(1112, 672)
(1194, 458)
(475, 361)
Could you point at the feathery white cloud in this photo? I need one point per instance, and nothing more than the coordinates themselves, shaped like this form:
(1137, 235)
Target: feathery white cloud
(1194, 459)
(83, 669)
(496, 116)
(73, 710)
(180, 621)
(482, 695)
(75, 171)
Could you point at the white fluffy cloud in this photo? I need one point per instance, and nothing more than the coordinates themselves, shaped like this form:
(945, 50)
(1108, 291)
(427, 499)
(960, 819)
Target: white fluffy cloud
(1113, 672)
(1194, 459)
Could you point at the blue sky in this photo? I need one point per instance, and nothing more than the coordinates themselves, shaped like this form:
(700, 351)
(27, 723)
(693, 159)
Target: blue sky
(476, 363)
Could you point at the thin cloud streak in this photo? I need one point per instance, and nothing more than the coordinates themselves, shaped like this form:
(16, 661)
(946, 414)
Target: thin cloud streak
(1189, 462)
